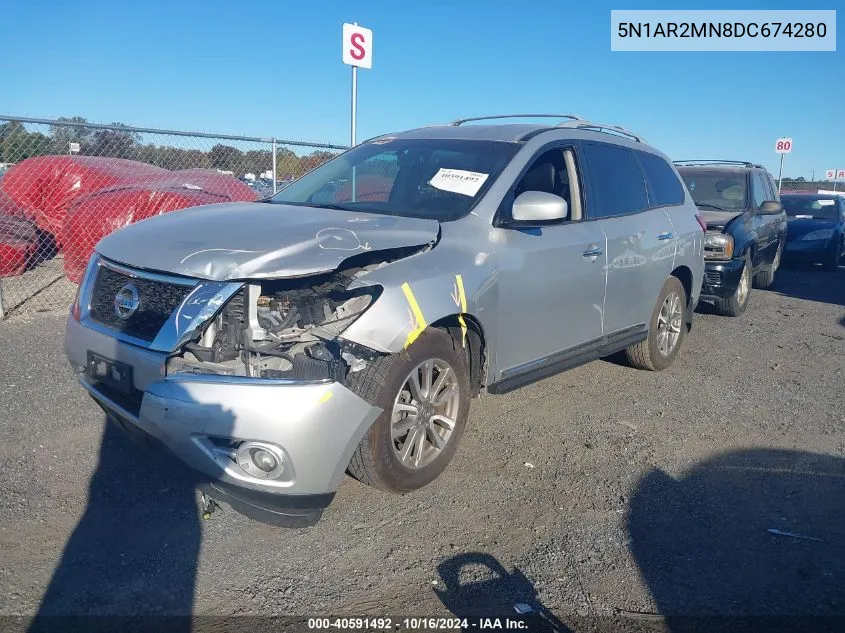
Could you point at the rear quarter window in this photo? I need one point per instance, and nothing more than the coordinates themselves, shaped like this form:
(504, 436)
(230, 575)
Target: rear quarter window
(664, 186)
(616, 180)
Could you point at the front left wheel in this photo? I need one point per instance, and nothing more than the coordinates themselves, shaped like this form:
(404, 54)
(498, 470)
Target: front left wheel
(666, 330)
(424, 394)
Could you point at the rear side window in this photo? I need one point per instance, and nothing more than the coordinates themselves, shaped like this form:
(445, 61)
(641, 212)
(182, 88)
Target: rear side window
(617, 181)
(663, 184)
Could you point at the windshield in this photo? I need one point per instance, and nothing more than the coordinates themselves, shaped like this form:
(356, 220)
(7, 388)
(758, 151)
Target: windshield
(717, 190)
(810, 207)
(422, 178)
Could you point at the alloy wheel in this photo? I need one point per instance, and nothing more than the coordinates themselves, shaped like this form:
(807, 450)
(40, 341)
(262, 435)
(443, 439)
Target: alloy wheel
(425, 413)
(669, 323)
(744, 284)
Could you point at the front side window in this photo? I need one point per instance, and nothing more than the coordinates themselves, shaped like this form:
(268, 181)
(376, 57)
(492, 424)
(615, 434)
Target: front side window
(760, 194)
(716, 190)
(441, 179)
(664, 185)
(617, 180)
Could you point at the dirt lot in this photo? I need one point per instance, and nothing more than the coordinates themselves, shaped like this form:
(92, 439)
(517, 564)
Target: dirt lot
(600, 491)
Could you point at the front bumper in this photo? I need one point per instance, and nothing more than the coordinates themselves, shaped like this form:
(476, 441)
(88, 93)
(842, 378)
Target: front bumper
(317, 425)
(721, 278)
(808, 250)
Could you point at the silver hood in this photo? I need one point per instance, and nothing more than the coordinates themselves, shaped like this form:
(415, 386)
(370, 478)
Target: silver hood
(244, 240)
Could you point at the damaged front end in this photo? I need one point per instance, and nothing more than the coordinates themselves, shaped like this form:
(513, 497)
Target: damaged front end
(288, 328)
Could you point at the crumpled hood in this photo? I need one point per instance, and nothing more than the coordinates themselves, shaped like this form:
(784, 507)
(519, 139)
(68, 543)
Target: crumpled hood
(259, 240)
(718, 220)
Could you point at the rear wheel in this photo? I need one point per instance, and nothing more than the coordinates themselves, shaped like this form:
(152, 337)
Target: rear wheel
(735, 305)
(666, 330)
(424, 396)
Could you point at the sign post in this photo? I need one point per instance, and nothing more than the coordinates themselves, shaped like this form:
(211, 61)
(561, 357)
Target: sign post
(73, 148)
(783, 146)
(838, 174)
(358, 53)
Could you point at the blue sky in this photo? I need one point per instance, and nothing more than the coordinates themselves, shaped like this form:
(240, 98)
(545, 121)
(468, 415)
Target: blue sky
(273, 68)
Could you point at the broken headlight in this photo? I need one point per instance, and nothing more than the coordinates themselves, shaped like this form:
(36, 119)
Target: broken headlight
(718, 246)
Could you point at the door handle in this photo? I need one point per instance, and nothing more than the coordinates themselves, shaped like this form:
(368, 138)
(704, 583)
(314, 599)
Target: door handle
(665, 236)
(594, 251)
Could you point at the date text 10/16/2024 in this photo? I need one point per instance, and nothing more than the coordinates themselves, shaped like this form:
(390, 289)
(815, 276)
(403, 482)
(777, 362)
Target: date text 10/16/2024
(423, 624)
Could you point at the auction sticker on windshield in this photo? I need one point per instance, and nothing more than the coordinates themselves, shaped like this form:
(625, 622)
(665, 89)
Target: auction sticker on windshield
(466, 183)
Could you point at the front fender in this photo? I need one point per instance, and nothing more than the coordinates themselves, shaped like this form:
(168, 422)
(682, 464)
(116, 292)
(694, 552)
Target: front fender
(743, 242)
(423, 289)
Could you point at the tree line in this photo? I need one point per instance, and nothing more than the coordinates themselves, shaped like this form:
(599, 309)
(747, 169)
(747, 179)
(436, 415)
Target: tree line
(17, 144)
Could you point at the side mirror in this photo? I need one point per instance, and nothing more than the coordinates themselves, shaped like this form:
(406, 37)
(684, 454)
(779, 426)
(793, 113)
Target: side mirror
(539, 206)
(771, 207)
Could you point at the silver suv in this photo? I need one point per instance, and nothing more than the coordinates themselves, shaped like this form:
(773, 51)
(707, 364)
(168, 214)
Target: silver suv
(346, 323)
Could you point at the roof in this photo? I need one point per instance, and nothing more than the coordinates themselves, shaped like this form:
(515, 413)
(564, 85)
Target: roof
(813, 194)
(718, 165)
(507, 132)
(515, 133)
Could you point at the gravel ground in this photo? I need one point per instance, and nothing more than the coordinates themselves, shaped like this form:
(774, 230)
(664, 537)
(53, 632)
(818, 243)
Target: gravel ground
(603, 490)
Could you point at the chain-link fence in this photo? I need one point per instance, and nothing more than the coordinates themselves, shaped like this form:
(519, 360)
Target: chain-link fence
(811, 186)
(67, 183)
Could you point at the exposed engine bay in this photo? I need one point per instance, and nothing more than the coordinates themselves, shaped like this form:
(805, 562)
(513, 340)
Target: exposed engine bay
(287, 328)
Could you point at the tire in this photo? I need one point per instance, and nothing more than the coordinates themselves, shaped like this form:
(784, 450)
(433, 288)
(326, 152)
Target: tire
(831, 260)
(766, 278)
(650, 354)
(385, 382)
(735, 305)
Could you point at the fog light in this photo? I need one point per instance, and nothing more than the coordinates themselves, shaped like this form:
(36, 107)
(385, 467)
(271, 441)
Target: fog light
(261, 460)
(264, 460)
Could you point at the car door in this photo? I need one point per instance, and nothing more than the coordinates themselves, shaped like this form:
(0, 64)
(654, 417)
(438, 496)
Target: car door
(551, 277)
(766, 225)
(640, 238)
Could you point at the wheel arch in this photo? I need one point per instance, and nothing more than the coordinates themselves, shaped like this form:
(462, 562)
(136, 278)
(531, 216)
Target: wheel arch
(684, 275)
(475, 345)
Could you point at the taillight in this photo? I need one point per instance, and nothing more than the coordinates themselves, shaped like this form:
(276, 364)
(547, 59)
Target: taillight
(701, 222)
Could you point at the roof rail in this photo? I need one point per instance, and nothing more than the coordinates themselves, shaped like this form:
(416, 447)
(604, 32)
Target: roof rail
(601, 127)
(574, 117)
(704, 162)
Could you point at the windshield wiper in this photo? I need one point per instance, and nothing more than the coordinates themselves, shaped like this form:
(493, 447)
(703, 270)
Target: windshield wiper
(336, 207)
(313, 205)
(712, 206)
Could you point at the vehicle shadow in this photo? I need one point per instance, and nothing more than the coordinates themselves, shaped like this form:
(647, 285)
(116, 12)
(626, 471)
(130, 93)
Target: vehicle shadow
(134, 552)
(488, 590)
(751, 540)
(811, 283)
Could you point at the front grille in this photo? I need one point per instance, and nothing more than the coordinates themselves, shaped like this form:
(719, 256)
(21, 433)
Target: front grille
(157, 301)
(712, 277)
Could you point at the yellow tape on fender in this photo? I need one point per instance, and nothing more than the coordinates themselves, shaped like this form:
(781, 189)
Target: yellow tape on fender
(418, 319)
(459, 284)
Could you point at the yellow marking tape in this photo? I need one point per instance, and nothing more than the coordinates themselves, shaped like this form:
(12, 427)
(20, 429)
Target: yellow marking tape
(419, 319)
(327, 395)
(459, 282)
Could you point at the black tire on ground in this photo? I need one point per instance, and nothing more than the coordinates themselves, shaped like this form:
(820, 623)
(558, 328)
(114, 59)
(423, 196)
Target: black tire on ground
(732, 306)
(646, 354)
(831, 260)
(766, 278)
(375, 461)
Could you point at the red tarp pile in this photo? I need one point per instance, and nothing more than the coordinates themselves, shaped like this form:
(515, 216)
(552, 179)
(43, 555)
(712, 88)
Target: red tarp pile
(78, 200)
